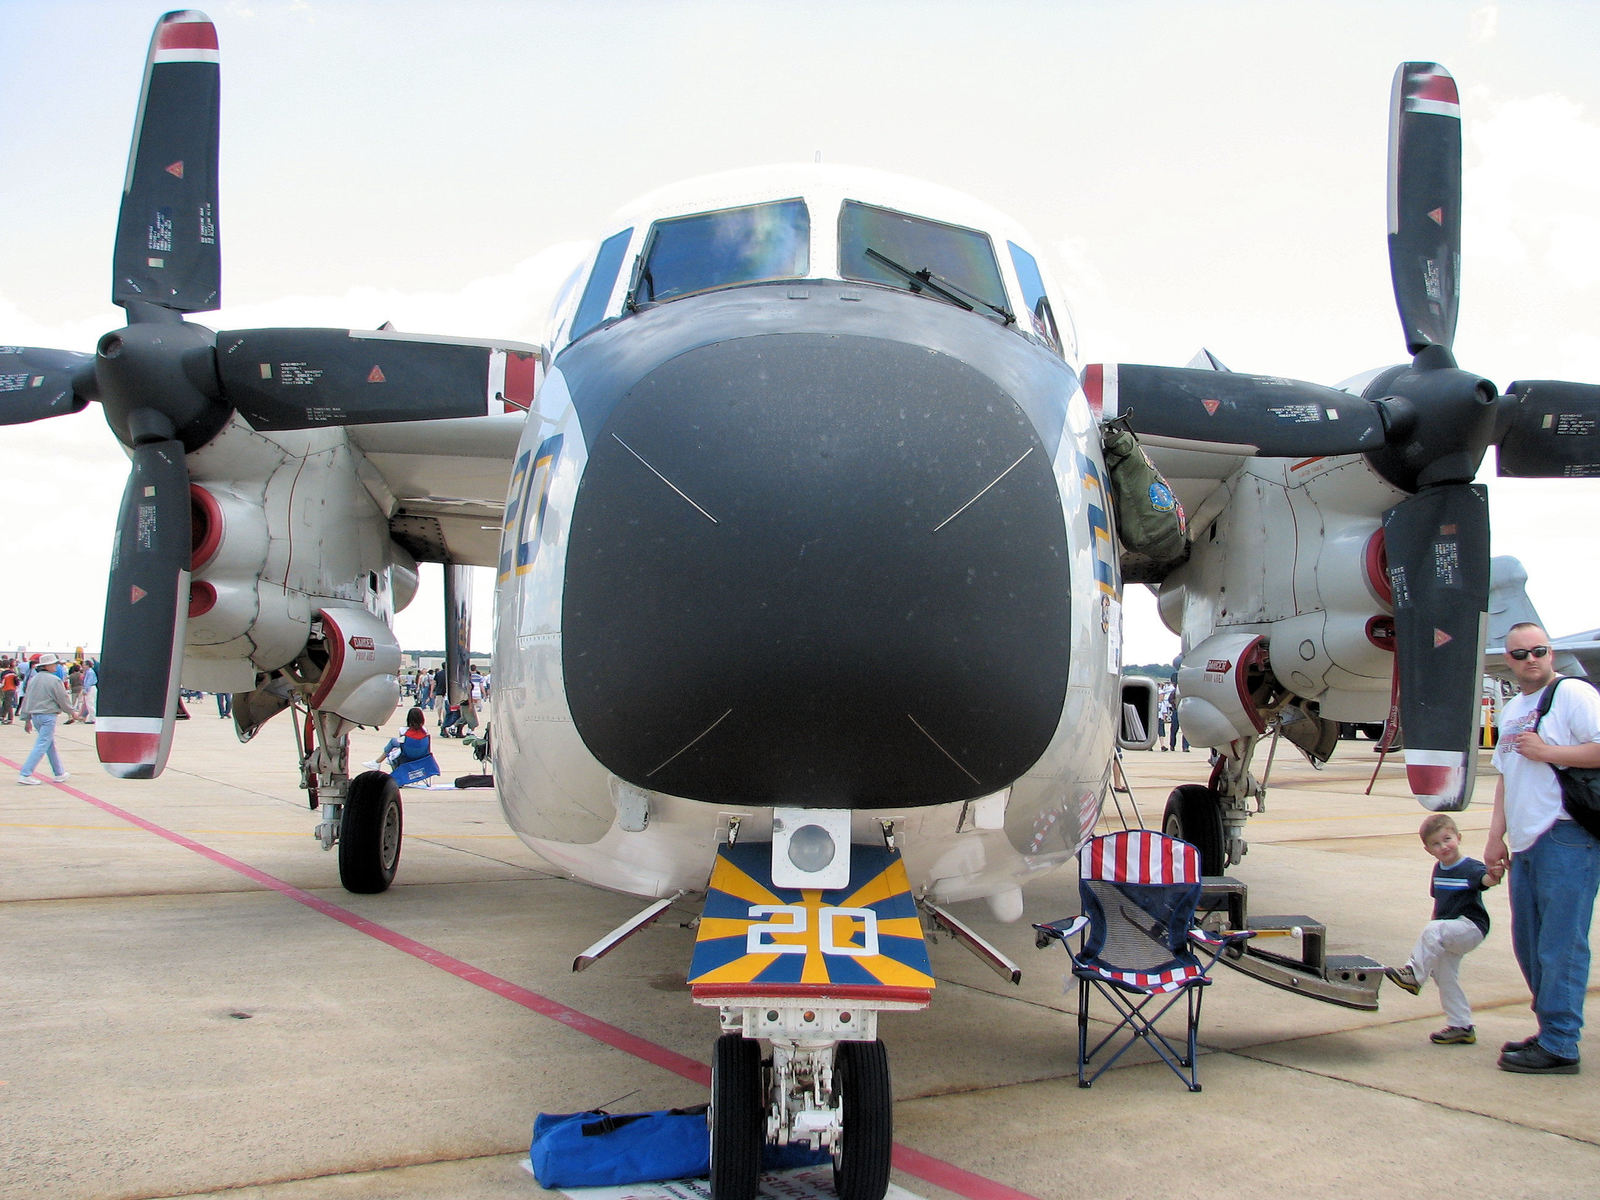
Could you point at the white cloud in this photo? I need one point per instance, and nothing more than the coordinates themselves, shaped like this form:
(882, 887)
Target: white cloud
(1483, 25)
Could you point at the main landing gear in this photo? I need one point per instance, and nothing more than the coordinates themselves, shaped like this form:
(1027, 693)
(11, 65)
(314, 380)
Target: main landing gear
(1194, 815)
(1211, 816)
(362, 816)
(370, 829)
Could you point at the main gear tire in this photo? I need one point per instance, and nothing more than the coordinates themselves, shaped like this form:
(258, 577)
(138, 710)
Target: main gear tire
(370, 832)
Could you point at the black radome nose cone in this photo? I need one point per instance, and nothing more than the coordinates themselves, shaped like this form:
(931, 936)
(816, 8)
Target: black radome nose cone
(817, 569)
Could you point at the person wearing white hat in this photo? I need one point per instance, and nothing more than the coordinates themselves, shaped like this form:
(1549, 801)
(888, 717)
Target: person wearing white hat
(44, 701)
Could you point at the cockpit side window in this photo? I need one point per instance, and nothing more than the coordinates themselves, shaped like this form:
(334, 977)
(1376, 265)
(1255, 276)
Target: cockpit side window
(597, 292)
(1042, 316)
(719, 249)
(879, 245)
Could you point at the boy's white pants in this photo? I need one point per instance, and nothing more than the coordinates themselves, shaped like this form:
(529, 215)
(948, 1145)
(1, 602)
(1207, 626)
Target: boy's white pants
(1438, 953)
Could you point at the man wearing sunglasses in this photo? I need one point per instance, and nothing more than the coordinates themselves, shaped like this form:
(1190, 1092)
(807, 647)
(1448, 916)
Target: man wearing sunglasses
(1554, 862)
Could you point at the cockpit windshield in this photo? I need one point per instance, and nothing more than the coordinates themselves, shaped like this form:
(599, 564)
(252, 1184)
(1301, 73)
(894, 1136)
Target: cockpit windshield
(879, 245)
(719, 249)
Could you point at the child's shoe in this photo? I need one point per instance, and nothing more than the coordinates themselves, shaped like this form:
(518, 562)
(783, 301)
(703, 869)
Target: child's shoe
(1454, 1035)
(1403, 977)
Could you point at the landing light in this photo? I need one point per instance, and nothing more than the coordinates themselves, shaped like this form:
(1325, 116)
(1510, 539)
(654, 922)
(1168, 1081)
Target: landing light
(811, 848)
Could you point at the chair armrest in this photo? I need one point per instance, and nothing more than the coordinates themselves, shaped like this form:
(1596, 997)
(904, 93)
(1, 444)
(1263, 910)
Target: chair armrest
(1058, 930)
(1222, 939)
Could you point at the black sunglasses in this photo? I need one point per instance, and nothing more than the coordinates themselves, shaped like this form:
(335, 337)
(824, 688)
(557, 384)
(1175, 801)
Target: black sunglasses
(1536, 651)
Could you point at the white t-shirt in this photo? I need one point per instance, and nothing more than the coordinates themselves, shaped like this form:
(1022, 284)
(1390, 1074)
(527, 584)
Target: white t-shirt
(1533, 796)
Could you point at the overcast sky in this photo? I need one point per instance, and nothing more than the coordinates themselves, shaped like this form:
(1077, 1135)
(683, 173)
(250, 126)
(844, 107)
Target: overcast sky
(1204, 174)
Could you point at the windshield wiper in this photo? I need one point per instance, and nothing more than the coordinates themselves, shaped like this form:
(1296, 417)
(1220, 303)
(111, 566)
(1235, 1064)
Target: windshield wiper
(945, 289)
(920, 279)
(641, 275)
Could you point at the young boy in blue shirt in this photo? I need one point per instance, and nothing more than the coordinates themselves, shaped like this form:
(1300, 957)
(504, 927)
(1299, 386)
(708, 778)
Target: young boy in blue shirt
(1460, 923)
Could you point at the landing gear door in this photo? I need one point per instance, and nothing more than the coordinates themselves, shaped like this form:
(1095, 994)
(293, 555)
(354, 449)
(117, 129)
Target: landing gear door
(756, 937)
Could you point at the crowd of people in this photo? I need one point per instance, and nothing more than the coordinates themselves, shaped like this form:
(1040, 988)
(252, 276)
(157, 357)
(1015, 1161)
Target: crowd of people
(431, 693)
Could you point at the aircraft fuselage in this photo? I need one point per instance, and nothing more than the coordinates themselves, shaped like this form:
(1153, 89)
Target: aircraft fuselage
(815, 542)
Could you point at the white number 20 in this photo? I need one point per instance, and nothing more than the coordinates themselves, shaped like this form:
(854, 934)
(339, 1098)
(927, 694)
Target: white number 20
(791, 919)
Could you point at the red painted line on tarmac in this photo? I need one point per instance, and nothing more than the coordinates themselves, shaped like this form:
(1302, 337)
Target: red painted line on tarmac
(913, 1162)
(610, 1035)
(951, 1177)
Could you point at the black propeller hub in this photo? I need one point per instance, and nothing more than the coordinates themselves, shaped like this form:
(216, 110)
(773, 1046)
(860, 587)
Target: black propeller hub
(165, 368)
(1438, 421)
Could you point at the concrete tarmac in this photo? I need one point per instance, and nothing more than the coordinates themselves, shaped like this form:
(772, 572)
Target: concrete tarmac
(190, 1005)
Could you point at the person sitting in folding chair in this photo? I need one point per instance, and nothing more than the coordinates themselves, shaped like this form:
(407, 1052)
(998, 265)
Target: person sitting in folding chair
(409, 756)
(1139, 892)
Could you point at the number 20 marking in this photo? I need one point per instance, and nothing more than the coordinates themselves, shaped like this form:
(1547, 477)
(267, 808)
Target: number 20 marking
(792, 919)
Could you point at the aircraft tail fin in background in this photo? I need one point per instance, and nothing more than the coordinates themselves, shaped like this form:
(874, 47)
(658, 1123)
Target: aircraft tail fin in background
(1509, 605)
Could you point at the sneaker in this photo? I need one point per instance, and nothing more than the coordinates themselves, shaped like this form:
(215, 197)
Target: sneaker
(63, 777)
(29, 781)
(1403, 977)
(1454, 1035)
(1512, 1047)
(373, 766)
(1536, 1060)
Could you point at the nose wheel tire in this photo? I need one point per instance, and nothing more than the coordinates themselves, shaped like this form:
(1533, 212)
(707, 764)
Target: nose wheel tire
(737, 1115)
(861, 1160)
(370, 830)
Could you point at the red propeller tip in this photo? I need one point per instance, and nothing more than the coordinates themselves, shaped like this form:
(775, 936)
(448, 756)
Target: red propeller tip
(1438, 779)
(129, 747)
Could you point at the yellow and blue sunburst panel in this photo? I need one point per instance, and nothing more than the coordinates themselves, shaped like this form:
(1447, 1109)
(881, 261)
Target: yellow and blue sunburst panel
(861, 941)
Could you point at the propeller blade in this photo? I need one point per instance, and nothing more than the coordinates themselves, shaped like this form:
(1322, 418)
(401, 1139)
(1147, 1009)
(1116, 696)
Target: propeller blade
(1437, 544)
(166, 252)
(1425, 202)
(1234, 413)
(301, 378)
(35, 384)
(1552, 430)
(147, 606)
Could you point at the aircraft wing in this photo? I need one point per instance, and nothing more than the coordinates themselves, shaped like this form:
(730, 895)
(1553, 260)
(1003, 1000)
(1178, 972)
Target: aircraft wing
(442, 479)
(1585, 647)
(442, 482)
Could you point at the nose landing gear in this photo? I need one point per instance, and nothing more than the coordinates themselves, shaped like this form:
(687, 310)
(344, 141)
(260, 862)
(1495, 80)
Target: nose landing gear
(807, 971)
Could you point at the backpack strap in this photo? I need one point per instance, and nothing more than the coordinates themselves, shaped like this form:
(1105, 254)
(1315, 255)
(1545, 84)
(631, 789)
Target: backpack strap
(1549, 696)
(1546, 700)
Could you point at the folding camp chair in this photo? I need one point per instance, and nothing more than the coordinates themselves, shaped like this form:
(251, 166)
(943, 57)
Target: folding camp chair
(409, 771)
(1139, 891)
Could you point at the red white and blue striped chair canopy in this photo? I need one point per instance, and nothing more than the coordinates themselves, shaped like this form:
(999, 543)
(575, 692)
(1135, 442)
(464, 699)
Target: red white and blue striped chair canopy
(1139, 856)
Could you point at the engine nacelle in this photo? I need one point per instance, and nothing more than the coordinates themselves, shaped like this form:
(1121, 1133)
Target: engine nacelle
(359, 681)
(227, 552)
(1220, 683)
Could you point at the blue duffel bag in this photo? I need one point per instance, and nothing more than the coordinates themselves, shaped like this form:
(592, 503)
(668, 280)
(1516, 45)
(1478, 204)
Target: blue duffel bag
(592, 1149)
